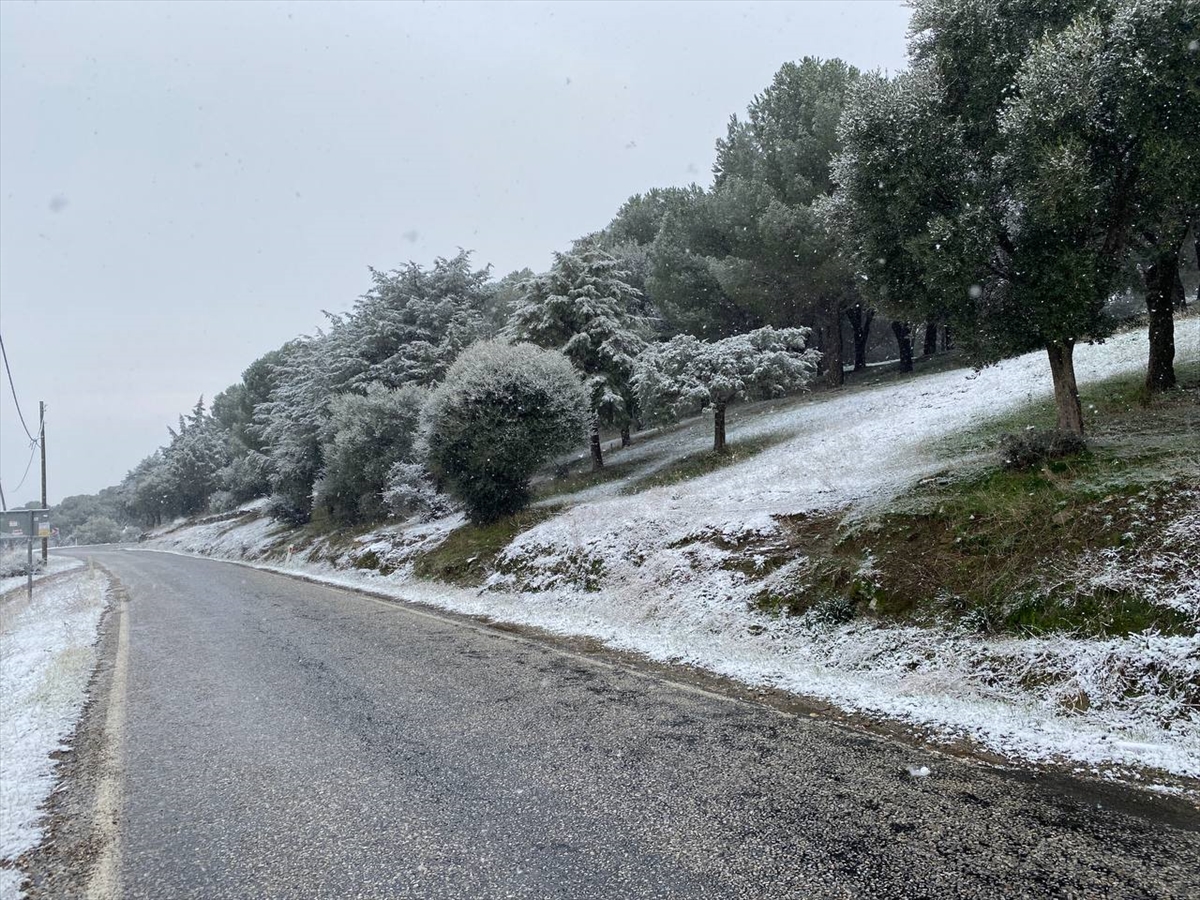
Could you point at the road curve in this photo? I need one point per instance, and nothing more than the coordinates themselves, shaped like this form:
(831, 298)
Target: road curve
(286, 739)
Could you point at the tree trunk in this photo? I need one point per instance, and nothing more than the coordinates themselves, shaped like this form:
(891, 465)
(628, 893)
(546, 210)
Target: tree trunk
(834, 376)
(597, 453)
(1066, 393)
(860, 323)
(1160, 304)
(903, 332)
(930, 347)
(947, 342)
(626, 440)
(719, 427)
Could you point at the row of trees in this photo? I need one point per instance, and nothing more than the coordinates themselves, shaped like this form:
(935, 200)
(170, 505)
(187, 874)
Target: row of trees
(1034, 160)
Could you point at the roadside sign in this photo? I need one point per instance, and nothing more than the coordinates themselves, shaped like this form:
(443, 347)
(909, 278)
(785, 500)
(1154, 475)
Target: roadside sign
(25, 523)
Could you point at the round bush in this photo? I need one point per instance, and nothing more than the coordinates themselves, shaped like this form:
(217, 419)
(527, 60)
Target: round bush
(503, 411)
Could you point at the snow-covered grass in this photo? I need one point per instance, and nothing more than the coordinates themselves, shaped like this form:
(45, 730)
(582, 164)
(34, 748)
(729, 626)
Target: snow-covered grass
(54, 566)
(649, 572)
(47, 654)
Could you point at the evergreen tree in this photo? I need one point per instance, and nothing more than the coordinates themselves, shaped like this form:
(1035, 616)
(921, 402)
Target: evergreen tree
(409, 326)
(364, 437)
(584, 307)
(772, 171)
(290, 424)
(1007, 193)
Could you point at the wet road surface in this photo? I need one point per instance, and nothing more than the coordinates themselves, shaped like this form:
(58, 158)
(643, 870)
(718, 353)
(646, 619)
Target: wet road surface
(286, 739)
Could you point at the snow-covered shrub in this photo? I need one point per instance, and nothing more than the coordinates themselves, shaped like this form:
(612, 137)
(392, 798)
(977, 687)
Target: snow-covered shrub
(503, 411)
(247, 477)
(1031, 448)
(98, 530)
(14, 560)
(365, 436)
(411, 494)
(221, 501)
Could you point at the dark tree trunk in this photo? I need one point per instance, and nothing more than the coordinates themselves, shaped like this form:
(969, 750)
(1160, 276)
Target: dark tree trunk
(947, 342)
(1161, 278)
(930, 347)
(834, 376)
(1066, 392)
(860, 323)
(626, 440)
(597, 453)
(903, 332)
(719, 427)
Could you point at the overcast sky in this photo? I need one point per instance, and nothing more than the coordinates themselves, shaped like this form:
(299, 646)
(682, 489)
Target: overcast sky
(186, 186)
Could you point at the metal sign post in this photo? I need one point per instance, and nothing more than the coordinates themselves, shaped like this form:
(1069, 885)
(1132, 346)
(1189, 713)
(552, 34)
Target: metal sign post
(16, 524)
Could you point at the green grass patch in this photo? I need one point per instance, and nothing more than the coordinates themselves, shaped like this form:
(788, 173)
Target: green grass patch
(1113, 403)
(998, 550)
(468, 554)
(702, 463)
(574, 482)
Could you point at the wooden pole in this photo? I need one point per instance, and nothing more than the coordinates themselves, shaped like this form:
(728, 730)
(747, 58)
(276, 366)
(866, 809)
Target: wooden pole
(42, 441)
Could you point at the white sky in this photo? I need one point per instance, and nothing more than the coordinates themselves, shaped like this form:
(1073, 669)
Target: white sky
(186, 186)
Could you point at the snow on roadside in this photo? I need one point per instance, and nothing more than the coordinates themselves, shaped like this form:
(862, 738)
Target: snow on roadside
(1123, 703)
(54, 565)
(47, 653)
(247, 537)
(955, 685)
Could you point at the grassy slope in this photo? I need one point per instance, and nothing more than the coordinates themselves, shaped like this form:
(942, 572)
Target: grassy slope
(999, 550)
(990, 548)
(993, 549)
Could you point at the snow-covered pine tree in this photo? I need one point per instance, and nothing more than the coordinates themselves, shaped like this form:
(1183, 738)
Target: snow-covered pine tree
(686, 374)
(584, 307)
(196, 453)
(290, 424)
(409, 327)
(145, 491)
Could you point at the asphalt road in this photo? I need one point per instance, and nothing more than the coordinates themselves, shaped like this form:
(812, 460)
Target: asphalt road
(285, 739)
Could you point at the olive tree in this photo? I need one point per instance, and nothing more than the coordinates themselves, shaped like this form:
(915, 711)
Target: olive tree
(686, 374)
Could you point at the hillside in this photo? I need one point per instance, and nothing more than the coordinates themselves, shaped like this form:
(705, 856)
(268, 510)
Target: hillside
(863, 548)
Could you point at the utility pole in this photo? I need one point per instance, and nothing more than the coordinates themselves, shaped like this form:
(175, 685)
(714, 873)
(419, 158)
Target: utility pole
(42, 441)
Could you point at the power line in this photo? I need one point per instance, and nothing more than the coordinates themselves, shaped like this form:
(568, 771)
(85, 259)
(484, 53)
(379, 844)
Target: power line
(13, 388)
(32, 452)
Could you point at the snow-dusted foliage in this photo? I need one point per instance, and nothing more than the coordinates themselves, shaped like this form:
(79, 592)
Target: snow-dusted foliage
(1001, 183)
(406, 330)
(502, 412)
(179, 478)
(291, 422)
(585, 307)
(409, 327)
(365, 436)
(247, 477)
(899, 163)
(686, 374)
(409, 493)
(196, 454)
